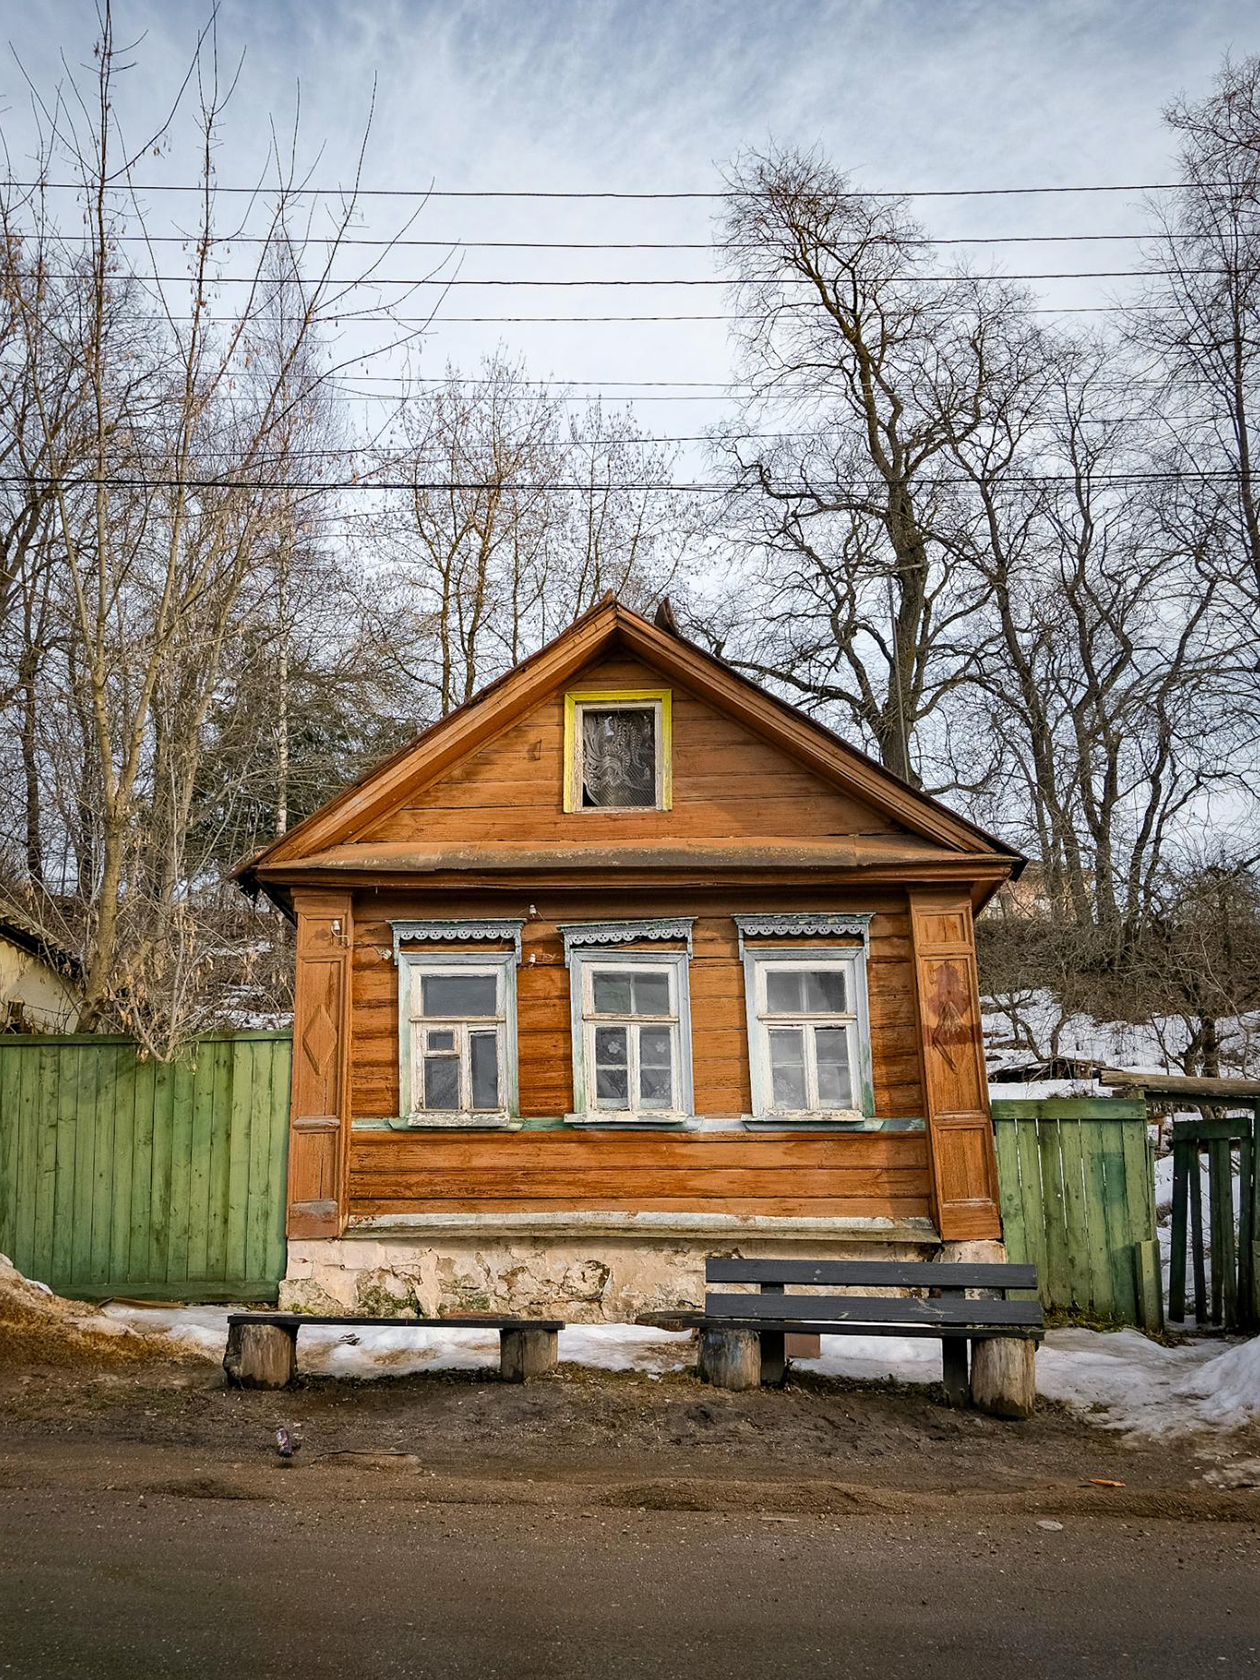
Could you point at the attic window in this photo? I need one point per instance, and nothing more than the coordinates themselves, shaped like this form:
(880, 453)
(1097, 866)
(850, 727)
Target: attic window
(617, 750)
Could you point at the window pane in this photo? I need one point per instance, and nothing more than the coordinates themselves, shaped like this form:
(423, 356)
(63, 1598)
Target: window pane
(651, 994)
(787, 1067)
(835, 1084)
(612, 1075)
(458, 996)
(824, 991)
(441, 1041)
(612, 1087)
(784, 991)
(611, 993)
(483, 1050)
(441, 1082)
(656, 1083)
(618, 757)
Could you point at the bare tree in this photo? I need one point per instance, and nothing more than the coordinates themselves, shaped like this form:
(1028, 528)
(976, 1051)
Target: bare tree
(868, 596)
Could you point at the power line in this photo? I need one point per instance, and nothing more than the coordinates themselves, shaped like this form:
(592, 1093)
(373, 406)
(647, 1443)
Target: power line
(349, 193)
(456, 243)
(88, 481)
(265, 283)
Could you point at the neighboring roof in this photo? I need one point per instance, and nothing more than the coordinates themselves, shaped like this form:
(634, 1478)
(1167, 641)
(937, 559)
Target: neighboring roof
(27, 937)
(330, 837)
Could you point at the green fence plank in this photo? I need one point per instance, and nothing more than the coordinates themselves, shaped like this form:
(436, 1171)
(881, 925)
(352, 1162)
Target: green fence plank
(162, 1178)
(64, 1099)
(45, 1187)
(217, 1158)
(1098, 1248)
(1034, 1209)
(246, 1060)
(81, 1069)
(1014, 1220)
(126, 1082)
(1058, 1260)
(105, 1117)
(1071, 1153)
(1139, 1194)
(1116, 1223)
(10, 1095)
(180, 1222)
(145, 1123)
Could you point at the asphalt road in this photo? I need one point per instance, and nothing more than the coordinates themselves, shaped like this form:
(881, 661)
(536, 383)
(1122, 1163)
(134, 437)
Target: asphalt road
(145, 1587)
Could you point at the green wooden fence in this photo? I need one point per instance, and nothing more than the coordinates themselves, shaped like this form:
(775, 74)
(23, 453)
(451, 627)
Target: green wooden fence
(125, 1176)
(1077, 1186)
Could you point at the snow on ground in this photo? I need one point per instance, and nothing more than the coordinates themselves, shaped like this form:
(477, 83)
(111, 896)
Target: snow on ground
(1120, 1379)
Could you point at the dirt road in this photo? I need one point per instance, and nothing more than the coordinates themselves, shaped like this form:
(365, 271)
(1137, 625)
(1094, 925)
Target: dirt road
(604, 1525)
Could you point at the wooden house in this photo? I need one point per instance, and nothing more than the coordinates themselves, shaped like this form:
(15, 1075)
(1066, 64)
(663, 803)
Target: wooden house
(624, 962)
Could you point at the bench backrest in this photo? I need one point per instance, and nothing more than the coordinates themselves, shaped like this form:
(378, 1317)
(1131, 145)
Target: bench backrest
(876, 1274)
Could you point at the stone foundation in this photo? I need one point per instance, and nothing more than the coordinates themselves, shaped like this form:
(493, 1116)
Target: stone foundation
(596, 1277)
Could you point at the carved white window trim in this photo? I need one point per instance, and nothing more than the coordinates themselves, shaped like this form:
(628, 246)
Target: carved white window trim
(485, 927)
(412, 964)
(578, 934)
(757, 960)
(798, 924)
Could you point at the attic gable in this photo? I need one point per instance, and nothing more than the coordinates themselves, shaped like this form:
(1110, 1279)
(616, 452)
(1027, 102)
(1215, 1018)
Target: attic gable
(609, 632)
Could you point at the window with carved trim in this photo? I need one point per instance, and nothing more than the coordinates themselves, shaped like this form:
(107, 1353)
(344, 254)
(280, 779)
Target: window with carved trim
(631, 1037)
(618, 750)
(458, 1040)
(808, 1035)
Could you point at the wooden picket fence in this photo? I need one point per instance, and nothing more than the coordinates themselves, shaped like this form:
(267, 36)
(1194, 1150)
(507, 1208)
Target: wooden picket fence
(1225, 1271)
(125, 1176)
(1077, 1186)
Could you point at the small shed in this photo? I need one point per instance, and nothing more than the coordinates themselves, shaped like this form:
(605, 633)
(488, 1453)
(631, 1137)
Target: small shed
(624, 962)
(40, 984)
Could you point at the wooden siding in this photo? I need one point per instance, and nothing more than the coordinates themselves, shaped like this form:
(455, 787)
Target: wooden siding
(719, 1027)
(850, 1174)
(858, 1174)
(513, 786)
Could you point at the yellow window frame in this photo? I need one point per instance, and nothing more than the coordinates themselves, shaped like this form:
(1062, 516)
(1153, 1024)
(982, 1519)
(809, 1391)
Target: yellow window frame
(614, 697)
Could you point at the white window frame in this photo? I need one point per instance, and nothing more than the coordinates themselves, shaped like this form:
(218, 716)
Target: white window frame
(583, 966)
(412, 966)
(759, 960)
(654, 704)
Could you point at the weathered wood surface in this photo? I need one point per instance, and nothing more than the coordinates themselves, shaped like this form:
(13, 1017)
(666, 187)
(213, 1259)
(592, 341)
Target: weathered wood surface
(872, 1309)
(730, 1358)
(1174, 1085)
(527, 1353)
(1004, 1377)
(261, 1355)
(1077, 1194)
(716, 977)
(124, 1176)
(955, 1081)
(891, 1274)
(319, 1126)
(882, 1174)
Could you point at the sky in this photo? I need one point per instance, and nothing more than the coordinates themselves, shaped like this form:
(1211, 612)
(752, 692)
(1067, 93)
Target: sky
(657, 96)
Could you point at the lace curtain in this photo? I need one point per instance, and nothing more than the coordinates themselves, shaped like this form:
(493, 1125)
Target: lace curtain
(618, 758)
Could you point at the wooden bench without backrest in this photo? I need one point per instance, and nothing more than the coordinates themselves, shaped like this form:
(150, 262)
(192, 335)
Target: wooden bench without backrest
(262, 1346)
(949, 1316)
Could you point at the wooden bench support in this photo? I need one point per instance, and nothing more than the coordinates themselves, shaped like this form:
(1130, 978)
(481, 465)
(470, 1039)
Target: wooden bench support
(527, 1353)
(261, 1355)
(954, 1370)
(730, 1358)
(1003, 1376)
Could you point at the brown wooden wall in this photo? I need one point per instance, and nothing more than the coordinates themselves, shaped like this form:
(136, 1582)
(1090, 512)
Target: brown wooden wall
(604, 1170)
(728, 782)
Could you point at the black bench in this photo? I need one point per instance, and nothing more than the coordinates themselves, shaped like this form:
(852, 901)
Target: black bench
(262, 1346)
(742, 1334)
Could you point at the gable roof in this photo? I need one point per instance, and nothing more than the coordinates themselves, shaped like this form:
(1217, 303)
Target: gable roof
(608, 624)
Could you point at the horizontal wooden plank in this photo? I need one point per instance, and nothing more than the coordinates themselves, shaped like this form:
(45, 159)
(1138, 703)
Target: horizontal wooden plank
(891, 1274)
(582, 1184)
(937, 1332)
(471, 1321)
(560, 1151)
(768, 1207)
(871, 1309)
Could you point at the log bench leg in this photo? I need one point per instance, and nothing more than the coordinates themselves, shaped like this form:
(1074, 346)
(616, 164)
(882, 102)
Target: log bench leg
(261, 1355)
(773, 1358)
(730, 1358)
(1004, 1376)
(527, 1353)
(954, 1370)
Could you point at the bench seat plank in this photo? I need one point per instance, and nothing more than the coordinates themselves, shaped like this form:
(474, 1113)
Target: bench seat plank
(295, 1321)
(894, 1274)
(872, 1309)
(831, 1327)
